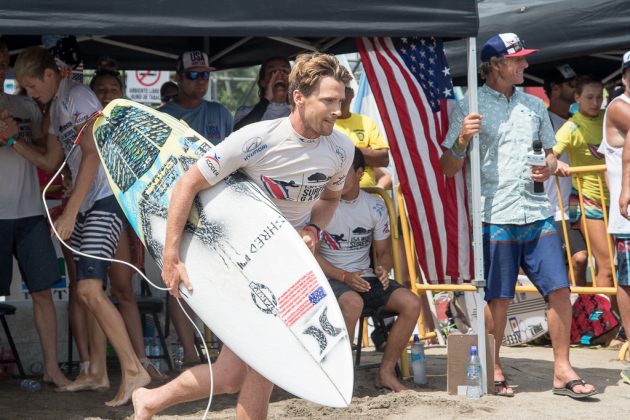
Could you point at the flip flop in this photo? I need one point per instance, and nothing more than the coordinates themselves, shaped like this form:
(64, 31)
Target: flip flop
(567, 390)
(503, 385)
(625, 375)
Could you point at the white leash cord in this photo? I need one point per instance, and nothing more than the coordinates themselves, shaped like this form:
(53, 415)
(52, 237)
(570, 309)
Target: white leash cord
(52, 224)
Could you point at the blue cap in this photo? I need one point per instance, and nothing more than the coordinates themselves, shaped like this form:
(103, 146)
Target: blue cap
(504, 45)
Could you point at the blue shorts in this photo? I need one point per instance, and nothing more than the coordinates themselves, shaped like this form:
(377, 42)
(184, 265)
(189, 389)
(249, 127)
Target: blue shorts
(28, 239)
(622, 244)
(535, 247)
(97, 232)
(375, 298)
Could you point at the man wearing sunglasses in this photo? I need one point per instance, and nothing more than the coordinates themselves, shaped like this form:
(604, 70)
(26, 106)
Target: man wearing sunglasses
(211, 119)
(518, 226)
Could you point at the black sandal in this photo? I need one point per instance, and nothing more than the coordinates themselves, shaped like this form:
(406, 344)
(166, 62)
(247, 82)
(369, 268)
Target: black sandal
(567, 390)
(503, 385)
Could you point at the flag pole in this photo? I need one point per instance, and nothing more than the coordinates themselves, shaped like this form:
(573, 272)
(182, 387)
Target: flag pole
(478, 280)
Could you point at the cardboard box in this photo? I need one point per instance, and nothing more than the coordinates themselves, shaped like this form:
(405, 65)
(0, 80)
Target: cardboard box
(458, 353)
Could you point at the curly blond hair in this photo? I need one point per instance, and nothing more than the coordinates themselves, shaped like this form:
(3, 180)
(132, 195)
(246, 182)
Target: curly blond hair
(310, 68)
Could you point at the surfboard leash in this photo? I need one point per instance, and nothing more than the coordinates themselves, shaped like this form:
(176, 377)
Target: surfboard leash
(136, 269)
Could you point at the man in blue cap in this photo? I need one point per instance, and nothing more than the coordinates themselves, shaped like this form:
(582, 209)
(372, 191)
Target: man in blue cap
(518, 226)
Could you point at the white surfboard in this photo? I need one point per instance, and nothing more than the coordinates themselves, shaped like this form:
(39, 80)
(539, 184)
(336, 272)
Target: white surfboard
(256, 284)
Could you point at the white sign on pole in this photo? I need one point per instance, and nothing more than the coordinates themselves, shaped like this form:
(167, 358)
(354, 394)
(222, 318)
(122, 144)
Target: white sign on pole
(144, 85)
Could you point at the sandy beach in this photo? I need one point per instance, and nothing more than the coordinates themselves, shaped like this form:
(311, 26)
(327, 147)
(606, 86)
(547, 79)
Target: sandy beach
(529, 367)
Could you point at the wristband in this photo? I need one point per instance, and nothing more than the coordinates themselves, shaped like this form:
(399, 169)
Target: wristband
(343, 276)
(316, 229)
(11, 140)
(458, 148)
(457, 155)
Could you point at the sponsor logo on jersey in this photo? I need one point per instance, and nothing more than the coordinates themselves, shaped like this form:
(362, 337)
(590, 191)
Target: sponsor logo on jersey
(213, 163)
(277, 188)
(333, 241)
(340, 180)
(318, 177)
(252, 147)
(341, 153)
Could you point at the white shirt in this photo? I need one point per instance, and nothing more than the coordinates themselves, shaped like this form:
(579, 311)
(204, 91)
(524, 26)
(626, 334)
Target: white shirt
(617, 224)
(565, 181)
(19, 184)
(292, 170)
(73, 104)
(348, 237)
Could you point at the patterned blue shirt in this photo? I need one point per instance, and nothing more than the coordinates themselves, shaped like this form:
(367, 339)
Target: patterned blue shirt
(210, 119)
(508, 128)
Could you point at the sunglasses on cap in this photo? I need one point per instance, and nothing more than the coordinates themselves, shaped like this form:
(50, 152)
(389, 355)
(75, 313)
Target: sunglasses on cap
(194, 75)
(515, 46)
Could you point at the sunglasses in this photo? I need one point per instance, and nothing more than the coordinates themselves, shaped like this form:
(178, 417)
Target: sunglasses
(194, 75)
(516, 46)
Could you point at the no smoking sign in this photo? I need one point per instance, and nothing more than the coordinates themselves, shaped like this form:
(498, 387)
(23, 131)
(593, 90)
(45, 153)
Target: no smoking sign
(148, 77)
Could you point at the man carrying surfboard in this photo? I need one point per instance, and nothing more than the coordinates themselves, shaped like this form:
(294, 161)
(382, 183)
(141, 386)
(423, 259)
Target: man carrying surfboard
(91, 217)
(301, 163)
(361, 223)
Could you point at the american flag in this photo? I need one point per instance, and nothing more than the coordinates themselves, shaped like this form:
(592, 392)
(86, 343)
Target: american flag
(411, 82)
(300, 298)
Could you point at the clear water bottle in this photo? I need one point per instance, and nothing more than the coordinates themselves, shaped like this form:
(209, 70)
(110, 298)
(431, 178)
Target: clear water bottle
(178, 358)
(30, 385)
(473, 375)
(418, 361)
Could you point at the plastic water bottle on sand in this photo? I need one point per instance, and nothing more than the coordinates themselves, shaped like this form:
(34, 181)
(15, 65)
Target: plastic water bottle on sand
(418, 361)
(30, 385)
(473, 375)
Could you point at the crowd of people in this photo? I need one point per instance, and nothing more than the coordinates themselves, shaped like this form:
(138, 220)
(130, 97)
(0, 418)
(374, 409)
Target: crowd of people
(301, 112)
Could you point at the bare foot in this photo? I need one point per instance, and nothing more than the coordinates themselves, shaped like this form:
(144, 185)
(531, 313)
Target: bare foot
(56, 377)
(86, 383)
(140, 406)
(389, 381)
(129, 384)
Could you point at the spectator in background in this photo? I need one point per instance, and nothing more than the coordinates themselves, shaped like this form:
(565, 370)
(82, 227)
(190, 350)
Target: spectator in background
(518, 230)
(168, 92)
(560, 89)
(273, 86)
(360, 223)
(580, 137)
(91, 218)
(23, 228)
(365, 135)
(107, 85)
(211, 119)
(616, 147)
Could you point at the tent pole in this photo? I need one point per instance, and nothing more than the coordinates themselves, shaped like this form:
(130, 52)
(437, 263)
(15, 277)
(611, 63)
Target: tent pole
(478, 279)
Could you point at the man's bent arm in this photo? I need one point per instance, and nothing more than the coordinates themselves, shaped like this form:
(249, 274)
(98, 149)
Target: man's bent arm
(88, 168)
(47, 158)
(324, 208)
(383, 250)
(330, 270)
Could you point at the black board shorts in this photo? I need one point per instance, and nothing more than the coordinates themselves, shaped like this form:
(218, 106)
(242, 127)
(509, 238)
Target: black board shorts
(28, 239)
(374, 298)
